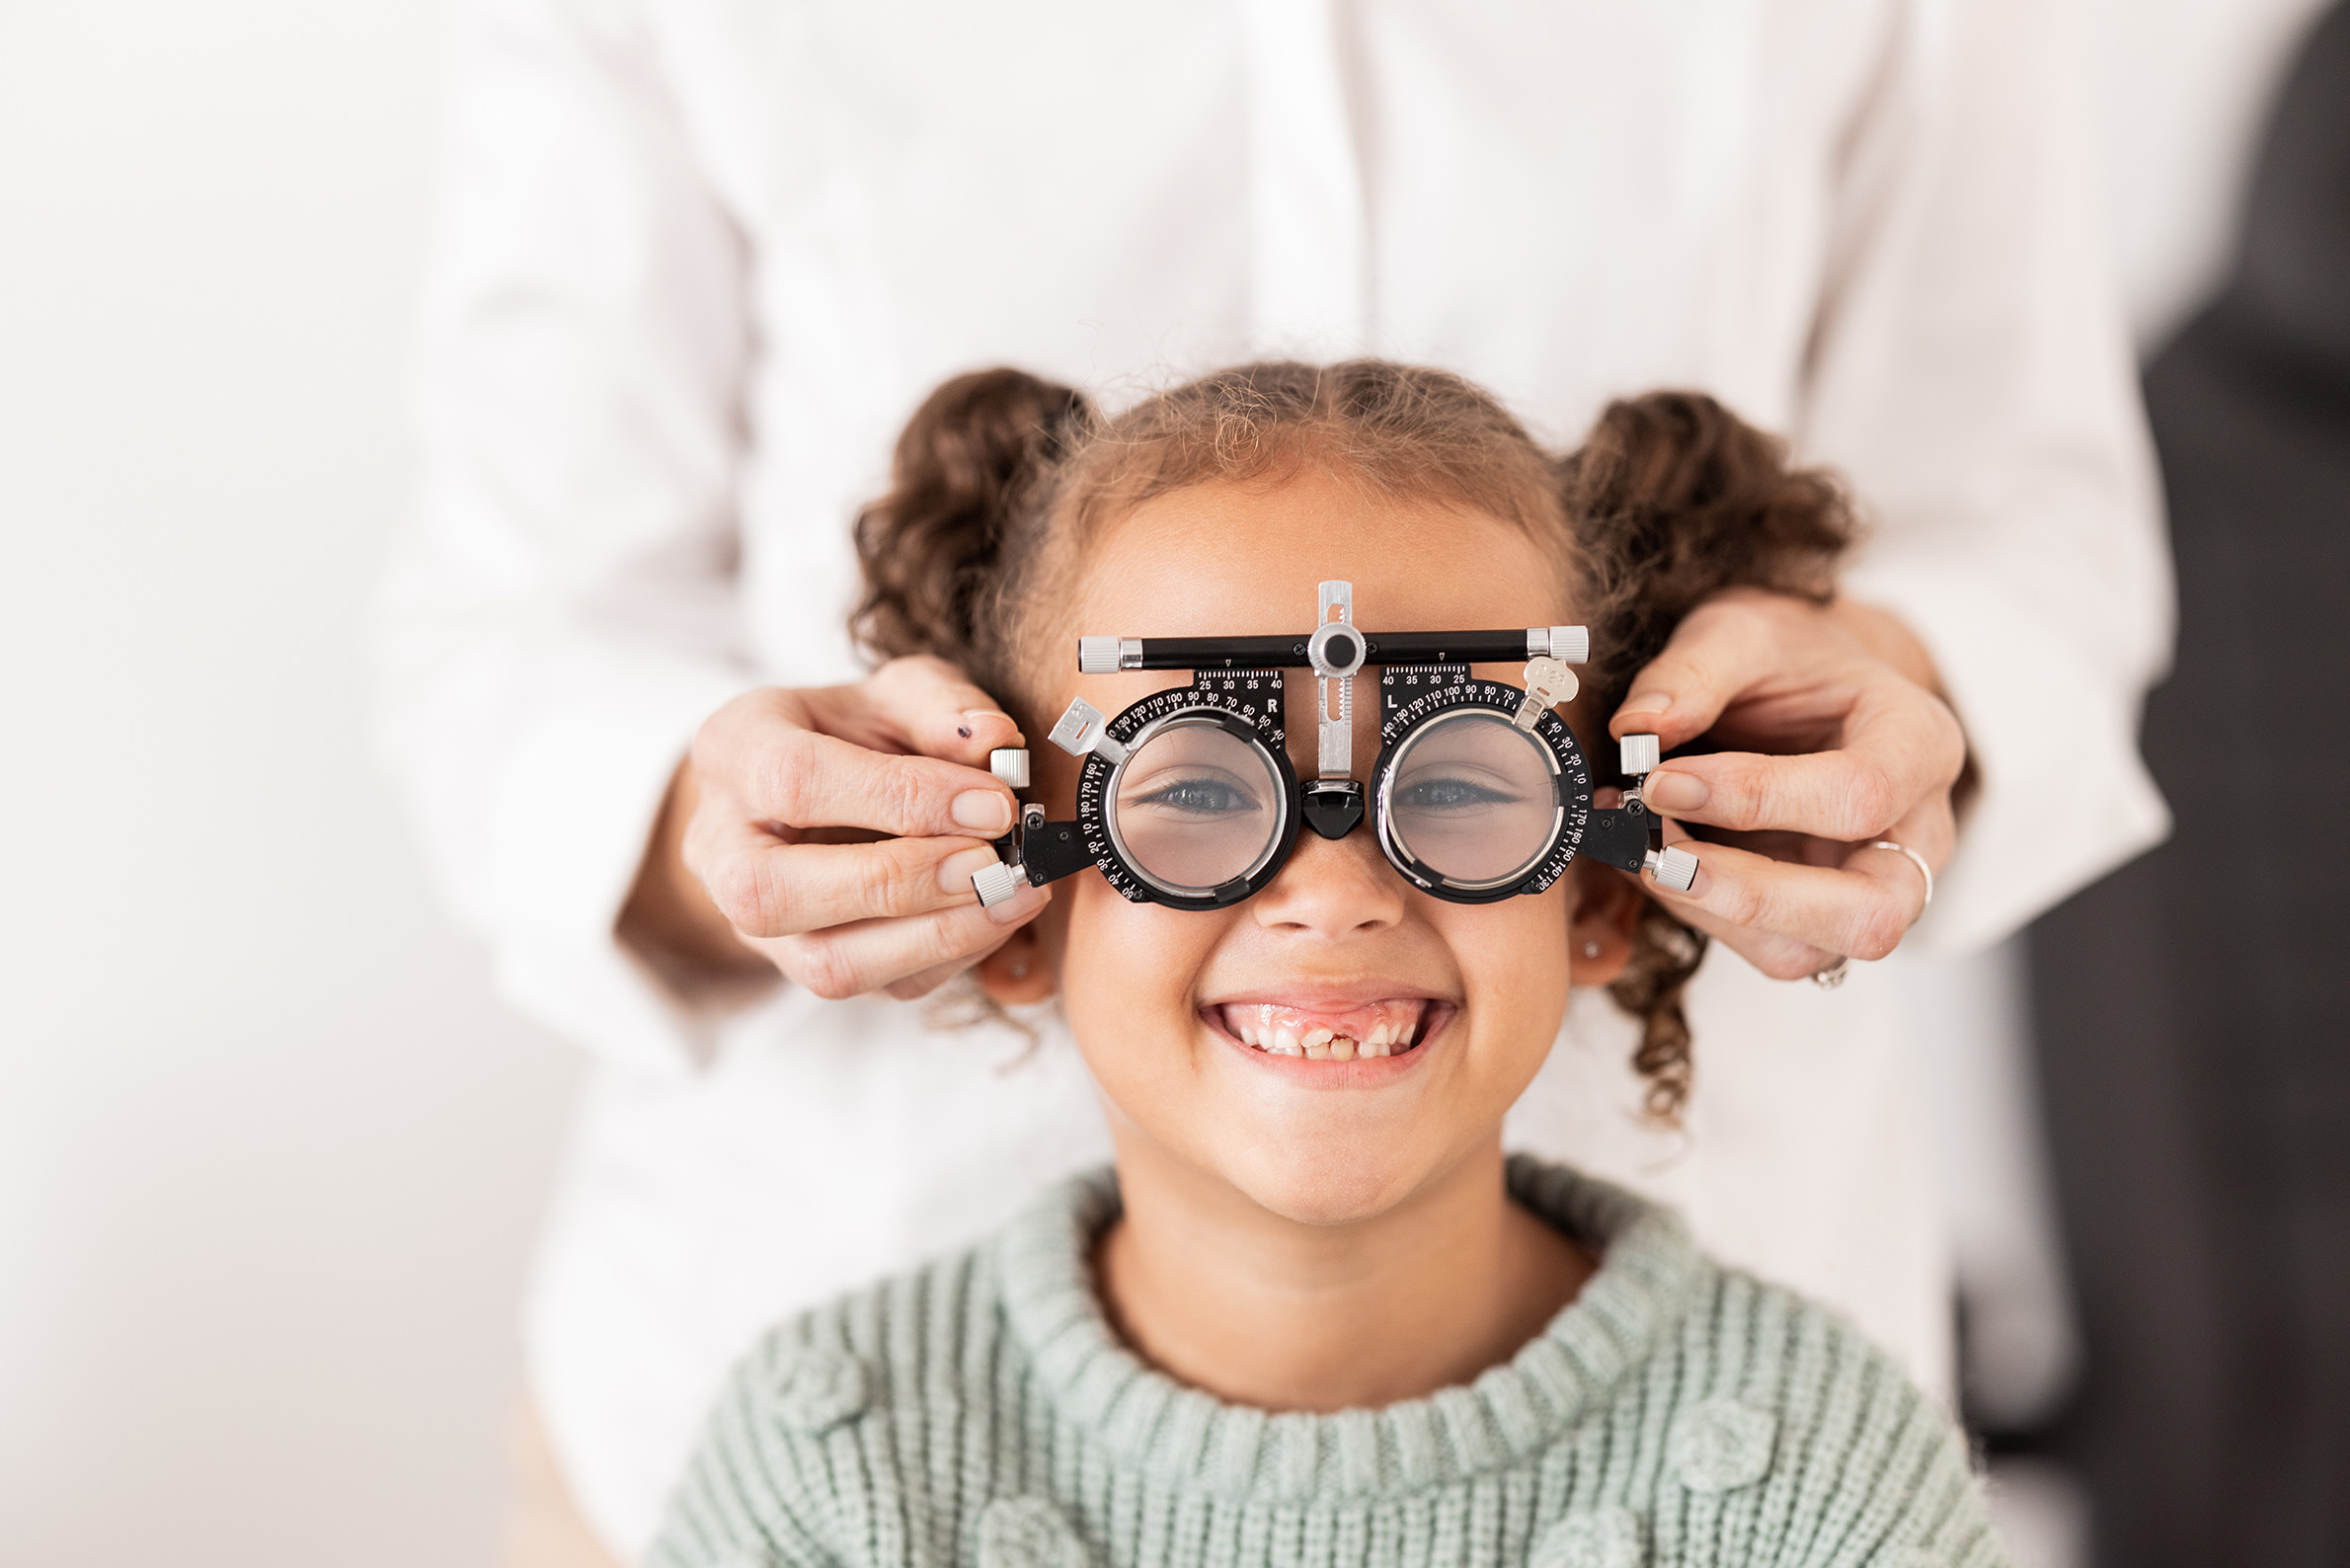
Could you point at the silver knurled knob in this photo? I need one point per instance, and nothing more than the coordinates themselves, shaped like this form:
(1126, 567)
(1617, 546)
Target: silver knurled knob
(1640, 755)
(996, 884)
(1676, 867)
(1009, 763)
(1097, 656)
(1571, 644)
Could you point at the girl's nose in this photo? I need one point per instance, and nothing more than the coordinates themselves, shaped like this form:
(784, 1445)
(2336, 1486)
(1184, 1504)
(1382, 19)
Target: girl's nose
(1331, 889)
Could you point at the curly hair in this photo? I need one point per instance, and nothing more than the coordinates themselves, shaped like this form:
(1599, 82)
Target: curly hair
(1000, 478)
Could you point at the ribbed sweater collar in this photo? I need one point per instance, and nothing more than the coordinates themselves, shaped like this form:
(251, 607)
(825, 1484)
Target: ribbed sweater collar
(1139, 1419)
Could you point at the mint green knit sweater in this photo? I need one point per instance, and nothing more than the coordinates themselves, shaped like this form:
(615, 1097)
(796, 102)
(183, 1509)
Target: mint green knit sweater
(982, 1412)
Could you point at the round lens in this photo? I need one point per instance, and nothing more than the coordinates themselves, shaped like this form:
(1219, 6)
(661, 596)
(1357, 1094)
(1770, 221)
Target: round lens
(1196, 806)
(1470, 797)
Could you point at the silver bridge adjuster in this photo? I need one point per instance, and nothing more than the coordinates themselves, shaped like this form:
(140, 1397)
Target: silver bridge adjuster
(1336, 652)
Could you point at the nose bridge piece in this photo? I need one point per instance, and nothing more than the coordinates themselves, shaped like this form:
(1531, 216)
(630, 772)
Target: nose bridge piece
(1333, 806)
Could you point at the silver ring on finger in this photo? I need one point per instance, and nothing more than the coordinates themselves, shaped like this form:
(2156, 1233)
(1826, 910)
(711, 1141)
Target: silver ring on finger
(1917, 860)
(1833, 975)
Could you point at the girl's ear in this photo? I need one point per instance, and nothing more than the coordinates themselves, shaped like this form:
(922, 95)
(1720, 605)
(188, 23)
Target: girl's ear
(1019, 971)
(1599, 935)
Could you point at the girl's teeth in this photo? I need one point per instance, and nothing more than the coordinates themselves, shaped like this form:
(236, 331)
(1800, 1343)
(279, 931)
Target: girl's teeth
(1257, 1028)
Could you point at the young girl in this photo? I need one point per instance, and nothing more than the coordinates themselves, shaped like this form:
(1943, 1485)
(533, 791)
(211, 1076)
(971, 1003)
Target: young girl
(1315, 1315)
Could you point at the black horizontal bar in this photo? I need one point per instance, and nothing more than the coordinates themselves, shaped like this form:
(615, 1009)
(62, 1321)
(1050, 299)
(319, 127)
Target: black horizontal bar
(1288, 653)
(1223, 652)
(1448, 648)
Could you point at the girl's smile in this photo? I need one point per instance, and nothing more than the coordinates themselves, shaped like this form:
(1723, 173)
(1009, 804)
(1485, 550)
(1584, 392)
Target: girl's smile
(1358, 1037)
(1328, 1028)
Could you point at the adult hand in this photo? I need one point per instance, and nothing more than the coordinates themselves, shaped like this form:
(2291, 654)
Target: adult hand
(1842, 741)
(832, 834)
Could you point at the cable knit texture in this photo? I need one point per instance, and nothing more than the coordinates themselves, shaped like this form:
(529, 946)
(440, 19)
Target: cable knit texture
(982, 1412)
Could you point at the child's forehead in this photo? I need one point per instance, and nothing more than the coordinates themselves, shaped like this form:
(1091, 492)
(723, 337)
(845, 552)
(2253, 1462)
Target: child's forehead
(1245, 560)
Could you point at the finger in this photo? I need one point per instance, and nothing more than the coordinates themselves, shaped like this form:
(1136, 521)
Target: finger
(1902, 747)
(1861, 909)
(1932, 830)
(1711, 659)
(1773, 955)
(916, 987)
(768, 889)
(772, 769)
(921, 705)
(852, 960)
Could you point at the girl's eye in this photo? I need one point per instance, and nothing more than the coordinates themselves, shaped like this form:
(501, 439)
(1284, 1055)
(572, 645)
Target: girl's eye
(1200, 795)
(1451, 794)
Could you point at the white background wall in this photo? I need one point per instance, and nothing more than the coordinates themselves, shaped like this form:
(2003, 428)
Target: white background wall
(269, 1154)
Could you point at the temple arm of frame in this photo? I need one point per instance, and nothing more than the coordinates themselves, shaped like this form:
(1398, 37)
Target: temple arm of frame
(1629, 841)
(1038, 853)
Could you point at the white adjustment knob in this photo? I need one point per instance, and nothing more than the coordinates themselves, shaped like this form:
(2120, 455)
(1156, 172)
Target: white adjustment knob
(1572, 644)
(1675, 868)
(1009, 763)
(996, 884)
(1097, 656)
(1639, 753)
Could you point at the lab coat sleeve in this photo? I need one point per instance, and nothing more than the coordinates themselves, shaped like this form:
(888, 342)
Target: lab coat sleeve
(1971, 373)
(558, 611)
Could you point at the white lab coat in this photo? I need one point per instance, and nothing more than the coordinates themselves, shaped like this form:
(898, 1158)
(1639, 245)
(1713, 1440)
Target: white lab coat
(699, 261)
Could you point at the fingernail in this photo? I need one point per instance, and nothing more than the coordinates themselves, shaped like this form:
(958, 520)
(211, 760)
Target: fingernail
(1675, 792)
(973, 717)
(956, 871)
(982, 810)
(1020, 906)
(1647, 702)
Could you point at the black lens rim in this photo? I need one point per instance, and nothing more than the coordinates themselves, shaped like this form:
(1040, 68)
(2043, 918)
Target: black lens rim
(1432, 694)
(1285, 803)
(1245, 703)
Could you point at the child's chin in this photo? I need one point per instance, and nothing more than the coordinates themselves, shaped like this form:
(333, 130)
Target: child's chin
(1312, 1187)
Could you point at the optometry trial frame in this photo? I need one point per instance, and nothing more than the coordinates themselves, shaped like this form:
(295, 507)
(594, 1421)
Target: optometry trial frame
(1188, 797)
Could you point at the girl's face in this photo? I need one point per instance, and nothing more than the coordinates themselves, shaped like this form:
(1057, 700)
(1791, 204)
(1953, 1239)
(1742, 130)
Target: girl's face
(1338, 953)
